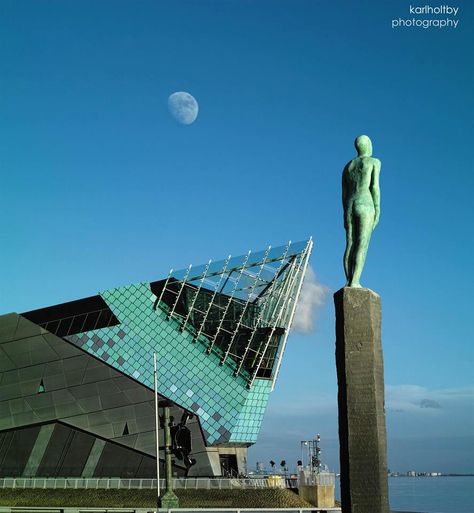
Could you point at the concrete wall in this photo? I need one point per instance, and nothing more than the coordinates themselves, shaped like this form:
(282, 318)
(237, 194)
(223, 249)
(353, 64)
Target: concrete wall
(321, 496)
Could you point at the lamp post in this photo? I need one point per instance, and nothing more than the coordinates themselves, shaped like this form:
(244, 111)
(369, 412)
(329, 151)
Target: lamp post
(169, 499)
(157, 430)
(304, 443)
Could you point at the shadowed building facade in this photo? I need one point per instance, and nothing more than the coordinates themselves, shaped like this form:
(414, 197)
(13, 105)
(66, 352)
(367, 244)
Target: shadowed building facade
(76, 379)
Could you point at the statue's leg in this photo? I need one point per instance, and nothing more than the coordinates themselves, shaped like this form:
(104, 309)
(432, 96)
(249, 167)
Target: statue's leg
(348, 253)
(365, 222)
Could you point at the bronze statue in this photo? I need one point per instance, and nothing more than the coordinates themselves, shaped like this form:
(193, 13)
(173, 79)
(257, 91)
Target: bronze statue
(361, 202)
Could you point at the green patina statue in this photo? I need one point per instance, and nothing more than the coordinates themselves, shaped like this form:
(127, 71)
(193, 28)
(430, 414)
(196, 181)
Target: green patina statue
(361, 202)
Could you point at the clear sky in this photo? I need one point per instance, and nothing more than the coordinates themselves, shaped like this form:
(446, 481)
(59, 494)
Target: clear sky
(102, 187)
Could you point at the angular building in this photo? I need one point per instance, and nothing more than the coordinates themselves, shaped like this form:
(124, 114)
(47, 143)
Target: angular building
(76, 379)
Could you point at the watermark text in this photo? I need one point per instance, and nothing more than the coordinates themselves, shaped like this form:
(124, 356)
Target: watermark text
(429, 16)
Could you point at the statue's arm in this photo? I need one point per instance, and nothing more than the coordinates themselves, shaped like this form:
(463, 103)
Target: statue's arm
(375, 189)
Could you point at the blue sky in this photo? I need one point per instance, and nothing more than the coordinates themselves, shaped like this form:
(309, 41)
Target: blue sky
(102, 187)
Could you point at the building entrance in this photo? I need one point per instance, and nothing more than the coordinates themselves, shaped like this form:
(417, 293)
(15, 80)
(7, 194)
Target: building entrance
(228, 465)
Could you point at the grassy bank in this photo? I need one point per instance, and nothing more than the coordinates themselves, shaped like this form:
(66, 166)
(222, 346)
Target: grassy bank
(266, 498)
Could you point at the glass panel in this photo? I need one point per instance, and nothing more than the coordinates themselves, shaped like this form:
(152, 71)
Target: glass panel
(240, 307)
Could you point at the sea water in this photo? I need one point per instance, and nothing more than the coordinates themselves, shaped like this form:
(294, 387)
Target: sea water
(441, 494)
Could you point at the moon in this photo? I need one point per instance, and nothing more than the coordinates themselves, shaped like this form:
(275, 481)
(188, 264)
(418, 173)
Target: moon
(183, 107)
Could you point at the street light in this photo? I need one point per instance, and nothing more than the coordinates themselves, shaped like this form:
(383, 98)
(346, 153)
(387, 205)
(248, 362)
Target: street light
(157, 430)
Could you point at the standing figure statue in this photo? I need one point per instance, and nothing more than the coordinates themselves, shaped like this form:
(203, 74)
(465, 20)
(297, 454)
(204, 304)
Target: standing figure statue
(361, 202)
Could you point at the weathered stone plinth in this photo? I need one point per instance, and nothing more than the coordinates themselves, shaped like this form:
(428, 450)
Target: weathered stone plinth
(362, 434)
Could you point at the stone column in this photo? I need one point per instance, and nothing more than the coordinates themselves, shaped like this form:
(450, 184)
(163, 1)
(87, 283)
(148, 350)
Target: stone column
(362, 434)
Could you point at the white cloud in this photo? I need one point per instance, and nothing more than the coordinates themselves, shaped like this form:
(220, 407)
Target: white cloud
(312, 298)
(429, 403)
(413, 397)
(420, 434)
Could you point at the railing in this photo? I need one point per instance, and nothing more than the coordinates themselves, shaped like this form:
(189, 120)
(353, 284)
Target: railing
(32, 509)
(191, 483)
(306, 478)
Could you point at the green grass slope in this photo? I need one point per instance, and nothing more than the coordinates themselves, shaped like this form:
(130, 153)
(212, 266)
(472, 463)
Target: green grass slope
(265, 498)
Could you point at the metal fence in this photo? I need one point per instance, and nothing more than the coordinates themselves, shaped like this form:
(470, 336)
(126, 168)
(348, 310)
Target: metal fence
(191, 483)
(30, 509)
(321, 479)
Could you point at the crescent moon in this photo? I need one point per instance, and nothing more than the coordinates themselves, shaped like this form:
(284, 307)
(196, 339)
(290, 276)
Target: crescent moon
(183, 107)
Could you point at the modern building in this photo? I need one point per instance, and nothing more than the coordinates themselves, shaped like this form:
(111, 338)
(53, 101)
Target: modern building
(76, 379)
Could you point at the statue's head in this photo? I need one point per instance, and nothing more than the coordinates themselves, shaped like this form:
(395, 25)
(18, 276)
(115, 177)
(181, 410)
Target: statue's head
(363, 146)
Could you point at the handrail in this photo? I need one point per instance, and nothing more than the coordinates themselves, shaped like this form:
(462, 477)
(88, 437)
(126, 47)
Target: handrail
(143, 483)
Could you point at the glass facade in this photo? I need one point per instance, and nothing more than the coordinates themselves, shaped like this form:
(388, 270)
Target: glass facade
(219, 331)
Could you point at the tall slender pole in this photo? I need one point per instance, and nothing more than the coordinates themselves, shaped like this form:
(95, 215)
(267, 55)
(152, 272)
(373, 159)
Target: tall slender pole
(157, 427)
(169, 468)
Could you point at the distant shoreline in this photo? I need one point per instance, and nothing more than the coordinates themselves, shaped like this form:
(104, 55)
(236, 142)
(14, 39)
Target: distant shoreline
(439, 475)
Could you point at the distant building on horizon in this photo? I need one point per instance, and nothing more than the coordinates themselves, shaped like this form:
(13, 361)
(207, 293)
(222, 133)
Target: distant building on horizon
(76, 379)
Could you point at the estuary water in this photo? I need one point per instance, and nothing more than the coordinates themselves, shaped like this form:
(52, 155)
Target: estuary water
(442, 494)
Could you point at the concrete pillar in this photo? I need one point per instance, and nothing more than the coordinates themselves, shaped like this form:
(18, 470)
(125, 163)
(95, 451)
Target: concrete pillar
(321, 496)
(317, 488)
(362, 434)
